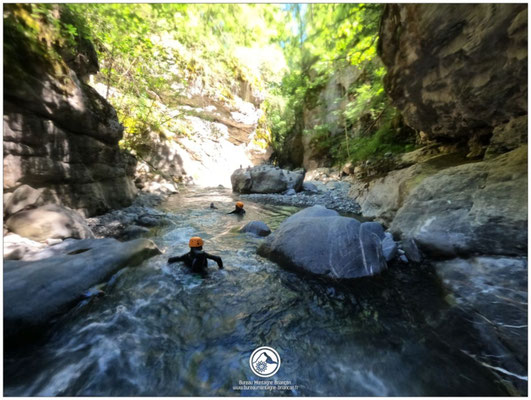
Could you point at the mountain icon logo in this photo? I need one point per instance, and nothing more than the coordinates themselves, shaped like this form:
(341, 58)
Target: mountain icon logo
(264, 361)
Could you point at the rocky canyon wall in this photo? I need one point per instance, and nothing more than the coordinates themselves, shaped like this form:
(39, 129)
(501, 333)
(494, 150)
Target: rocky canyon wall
(60, 136)
(458, 73)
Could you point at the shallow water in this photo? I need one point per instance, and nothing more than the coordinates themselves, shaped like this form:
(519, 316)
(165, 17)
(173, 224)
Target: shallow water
(162, 331)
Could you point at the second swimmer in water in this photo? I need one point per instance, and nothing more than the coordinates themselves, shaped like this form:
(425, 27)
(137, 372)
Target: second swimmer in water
(239, 209)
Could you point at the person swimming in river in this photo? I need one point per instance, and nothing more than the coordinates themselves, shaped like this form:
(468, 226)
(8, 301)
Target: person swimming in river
(197, 259)
(239, 209)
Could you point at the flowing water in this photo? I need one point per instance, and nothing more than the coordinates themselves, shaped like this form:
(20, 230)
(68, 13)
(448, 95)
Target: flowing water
(161, 331)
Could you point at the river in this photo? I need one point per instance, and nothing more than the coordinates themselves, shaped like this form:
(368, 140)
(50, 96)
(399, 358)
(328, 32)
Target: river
(161, 331)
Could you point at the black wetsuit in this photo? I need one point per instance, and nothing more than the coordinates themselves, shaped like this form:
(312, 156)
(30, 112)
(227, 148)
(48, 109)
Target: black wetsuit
(239, 211)
(197, 260)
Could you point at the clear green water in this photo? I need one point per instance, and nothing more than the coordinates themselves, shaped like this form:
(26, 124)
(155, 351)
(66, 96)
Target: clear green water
(161, 331)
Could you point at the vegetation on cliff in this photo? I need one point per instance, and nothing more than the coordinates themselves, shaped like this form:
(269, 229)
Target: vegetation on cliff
(150, 55)
(354, 122)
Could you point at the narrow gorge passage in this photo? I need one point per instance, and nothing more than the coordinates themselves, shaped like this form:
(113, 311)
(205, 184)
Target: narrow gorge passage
(379, 148)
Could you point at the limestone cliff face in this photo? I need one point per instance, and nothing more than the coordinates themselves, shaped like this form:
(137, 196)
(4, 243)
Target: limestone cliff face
(220, 137)
(210, 136)
(60, 136)
(456, 70)
(458, 73)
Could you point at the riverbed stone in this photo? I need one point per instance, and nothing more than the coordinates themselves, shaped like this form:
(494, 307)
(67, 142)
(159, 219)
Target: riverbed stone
(257, 228)
(389, 247)
(36, 291)
(50, 221)
(290, 192)
(16, 246)
(309, 187)
(319, 241)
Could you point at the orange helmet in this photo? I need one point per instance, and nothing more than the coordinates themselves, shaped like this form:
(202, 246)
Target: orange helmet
(239, 204)
(195, 241)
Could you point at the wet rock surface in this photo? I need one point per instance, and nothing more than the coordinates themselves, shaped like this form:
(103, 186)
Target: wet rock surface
(57, 281)
(492, 291)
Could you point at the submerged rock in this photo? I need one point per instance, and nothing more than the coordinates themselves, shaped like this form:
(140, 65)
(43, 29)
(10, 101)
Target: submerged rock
(319, 241)
(492, 292)
(133, 232)
(49, 222)
(35, 291)
(257, 228)
(266, 179)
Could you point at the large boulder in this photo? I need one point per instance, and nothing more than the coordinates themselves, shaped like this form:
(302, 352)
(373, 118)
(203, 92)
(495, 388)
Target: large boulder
(49, 222)
(320, 241)
(442, 75)
(35, 291)
(475, 208)
(241, 181)
(266, 179)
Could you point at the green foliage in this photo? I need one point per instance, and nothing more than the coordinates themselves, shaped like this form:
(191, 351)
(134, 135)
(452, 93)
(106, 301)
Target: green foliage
(375, 145)
(150, 53)
(326, 39)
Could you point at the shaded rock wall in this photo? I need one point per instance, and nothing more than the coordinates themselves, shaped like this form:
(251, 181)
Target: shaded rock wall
(456, 70)
(60, 135)
(459, 74)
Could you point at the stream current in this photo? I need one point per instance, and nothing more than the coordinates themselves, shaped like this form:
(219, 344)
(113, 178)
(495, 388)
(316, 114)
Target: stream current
(161, 331)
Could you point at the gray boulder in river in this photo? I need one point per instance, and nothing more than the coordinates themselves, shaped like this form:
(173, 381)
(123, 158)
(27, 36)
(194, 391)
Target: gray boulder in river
(35, 291)
(322, 242)
(257, 228)
(266, 179)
